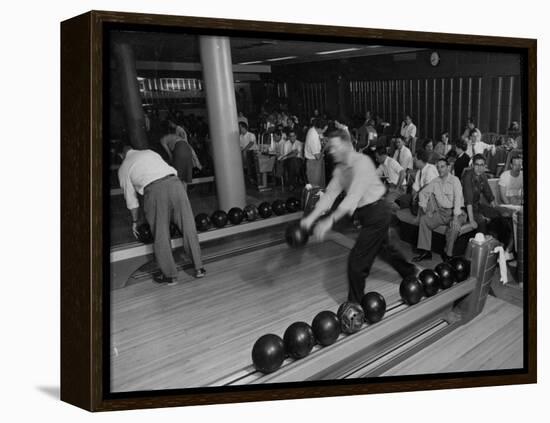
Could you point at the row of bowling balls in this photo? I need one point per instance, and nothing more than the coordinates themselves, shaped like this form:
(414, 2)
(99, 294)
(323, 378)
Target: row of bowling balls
(250, 213)
(234, 216)
(429, 282)
(270, 351)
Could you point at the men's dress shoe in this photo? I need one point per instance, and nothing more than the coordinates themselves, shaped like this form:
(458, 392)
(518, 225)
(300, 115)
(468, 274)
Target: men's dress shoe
(425, 255)
(160, 278)
(445, 257)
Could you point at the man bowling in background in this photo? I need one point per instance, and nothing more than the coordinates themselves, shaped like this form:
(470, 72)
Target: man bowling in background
(356, 175)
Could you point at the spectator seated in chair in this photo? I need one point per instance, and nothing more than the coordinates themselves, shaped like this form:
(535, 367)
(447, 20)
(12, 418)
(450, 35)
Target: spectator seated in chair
(510, 183)
(462, 159)
(394, 175)
(475, 184)
(440, 204)
(426, 172)
(433, 156)
(443, 146)
(403, 155)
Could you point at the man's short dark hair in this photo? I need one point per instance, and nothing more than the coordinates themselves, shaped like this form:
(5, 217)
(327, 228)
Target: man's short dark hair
(452, 153)
(445, 133)
(243, 124)
(422, 155)
(426, 142)
(462, 145)
(443, 159)
(320, 123)
(479, 157)
(381, 150)
(340, 133)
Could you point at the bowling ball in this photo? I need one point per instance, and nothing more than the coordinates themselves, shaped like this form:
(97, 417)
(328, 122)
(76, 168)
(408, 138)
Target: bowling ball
(264, 210)
(144, 233)
(326, 328)
(351, 317)
(299, 340)
(446, 275)
(295, 236)
(292, 205)
(411, 290)
(461, 268)
(430, 282)
(268, 353)
(219, 218)
(250, 212)
(203, 222)
(278, 207)
(235, 215)
(374, 306)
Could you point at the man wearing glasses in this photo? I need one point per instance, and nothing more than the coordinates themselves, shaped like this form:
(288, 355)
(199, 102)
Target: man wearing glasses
(476, 184)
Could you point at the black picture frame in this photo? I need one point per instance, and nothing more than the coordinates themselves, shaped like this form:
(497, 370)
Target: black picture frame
(84, 259)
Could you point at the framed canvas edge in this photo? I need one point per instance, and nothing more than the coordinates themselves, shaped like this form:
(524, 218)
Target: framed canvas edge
(81, 279)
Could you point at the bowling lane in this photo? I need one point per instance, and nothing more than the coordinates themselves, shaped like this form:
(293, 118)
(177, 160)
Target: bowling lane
(491, 341)
(196, 332)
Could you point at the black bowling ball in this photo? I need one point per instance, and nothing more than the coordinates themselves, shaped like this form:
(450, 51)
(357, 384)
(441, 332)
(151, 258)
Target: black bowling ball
(374, 306)
(446, 275)
(250, 212)
(411, 290)
(144, 233)
(292, 205)
(219, 218)
(326, 328)
(461, 268)
(295, 236)
(278, 207)
(203, 222)
(235, 215)
(299, 340)
(268, 353)
(264, 210)
(430, 282)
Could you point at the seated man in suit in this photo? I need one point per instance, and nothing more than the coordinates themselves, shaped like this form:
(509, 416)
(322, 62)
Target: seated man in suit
(440, 203)
(475, 184)
(462, 159)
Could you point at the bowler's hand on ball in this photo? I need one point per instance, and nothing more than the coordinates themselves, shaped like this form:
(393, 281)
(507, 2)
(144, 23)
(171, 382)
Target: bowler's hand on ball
(305, 224)
(321, 229)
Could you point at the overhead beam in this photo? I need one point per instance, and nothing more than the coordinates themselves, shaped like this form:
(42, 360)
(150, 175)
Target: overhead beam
(196, 67)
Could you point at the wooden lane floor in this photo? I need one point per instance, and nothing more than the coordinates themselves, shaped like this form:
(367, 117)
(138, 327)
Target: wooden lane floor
(491, 341)
(196, 332)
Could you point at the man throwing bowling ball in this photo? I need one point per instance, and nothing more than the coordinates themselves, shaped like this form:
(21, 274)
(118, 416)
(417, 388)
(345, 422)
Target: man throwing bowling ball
(356, 175)
(164, 200)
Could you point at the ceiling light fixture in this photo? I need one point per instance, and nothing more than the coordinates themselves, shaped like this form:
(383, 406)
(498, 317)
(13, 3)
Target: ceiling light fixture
(276, 59)
(250, 63)
(343, 50)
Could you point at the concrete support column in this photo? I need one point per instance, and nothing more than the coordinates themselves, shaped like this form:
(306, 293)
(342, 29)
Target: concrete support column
(131, 98)
(222, 116)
